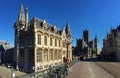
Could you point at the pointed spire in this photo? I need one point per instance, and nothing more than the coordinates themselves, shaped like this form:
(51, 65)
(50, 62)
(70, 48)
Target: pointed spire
(26, 18)
(68, 32)
(68, 25)
(21, 15)
(63, 28)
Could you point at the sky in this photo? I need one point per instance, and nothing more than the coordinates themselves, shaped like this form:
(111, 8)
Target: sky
(98, 16)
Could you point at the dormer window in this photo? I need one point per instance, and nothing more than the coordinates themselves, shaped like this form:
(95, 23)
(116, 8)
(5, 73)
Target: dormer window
(44, 24)
(54, 28)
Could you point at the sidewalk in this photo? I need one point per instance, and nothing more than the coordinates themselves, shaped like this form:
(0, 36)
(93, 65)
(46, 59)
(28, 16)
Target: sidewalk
(6, 72)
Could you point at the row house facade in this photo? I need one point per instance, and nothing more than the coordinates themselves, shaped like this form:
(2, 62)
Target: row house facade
(111, 45)
(39, 44)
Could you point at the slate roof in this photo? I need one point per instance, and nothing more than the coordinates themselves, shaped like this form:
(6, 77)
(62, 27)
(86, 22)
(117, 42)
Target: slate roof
(4, 47)
(49, 26)
(2, 42)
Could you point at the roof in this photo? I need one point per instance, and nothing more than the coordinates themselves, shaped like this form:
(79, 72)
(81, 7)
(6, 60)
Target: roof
(4, 45)
(49, 26)
(2, 42)
(1, 48)
(39, 21)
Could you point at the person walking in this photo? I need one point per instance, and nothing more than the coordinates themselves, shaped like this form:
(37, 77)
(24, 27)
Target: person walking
(68, 65)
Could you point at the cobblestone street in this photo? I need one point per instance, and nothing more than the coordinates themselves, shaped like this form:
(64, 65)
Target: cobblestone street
(95, 70)
(82, 69)
(6, 72)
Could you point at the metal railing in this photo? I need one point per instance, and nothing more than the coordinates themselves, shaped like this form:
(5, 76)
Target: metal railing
(52, 72)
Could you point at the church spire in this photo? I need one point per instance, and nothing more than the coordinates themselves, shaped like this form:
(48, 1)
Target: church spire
(67, 30)
(21, 15)
(26, 18)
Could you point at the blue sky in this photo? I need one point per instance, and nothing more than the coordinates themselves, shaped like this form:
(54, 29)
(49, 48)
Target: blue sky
(96, 15)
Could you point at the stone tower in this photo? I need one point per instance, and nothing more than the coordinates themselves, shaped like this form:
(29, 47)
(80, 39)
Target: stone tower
(69, 40)
(86, 35)
(96, 43)
(20, 24)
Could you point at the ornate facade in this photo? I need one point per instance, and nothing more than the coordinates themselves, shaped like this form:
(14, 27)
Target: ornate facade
(39, 44)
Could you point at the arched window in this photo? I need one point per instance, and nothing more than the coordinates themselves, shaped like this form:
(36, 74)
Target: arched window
(59, 43)
(22, 53)
(45, 55)
(55, 42)
(64, 53)
(45, 40)
(51, 55)
(39, 55)
(55, 56)
(22, 41)
(50, 41)
(39, 39)
(64, 44)
(59, 54)
(31, 55)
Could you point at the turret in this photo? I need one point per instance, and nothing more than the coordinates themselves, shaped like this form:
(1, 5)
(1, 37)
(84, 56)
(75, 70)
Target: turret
(96, 43)
(21, 15)
(67, 30)
(26, 18)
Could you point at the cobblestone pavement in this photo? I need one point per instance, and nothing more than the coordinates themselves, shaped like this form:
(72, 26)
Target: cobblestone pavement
(6, 72)
(95, 70)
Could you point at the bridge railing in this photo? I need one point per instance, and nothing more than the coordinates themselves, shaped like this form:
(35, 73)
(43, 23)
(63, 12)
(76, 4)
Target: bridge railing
(52, 72)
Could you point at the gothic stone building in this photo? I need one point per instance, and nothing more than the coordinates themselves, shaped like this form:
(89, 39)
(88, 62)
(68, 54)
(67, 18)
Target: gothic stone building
(39, 44)
(111, 45)
(85, 47)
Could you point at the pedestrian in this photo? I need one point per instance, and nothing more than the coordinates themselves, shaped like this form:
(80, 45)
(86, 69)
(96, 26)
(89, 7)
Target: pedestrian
(68, 65)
